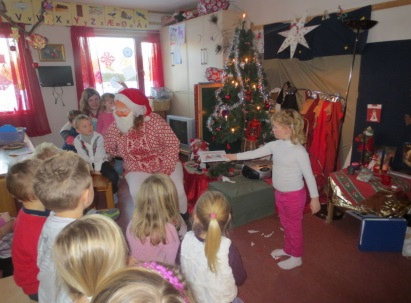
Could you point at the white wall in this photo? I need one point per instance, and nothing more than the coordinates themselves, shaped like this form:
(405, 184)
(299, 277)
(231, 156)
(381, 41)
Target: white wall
(56, 113)
(393, 23)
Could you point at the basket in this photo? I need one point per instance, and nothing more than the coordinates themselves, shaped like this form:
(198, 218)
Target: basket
(161, 105)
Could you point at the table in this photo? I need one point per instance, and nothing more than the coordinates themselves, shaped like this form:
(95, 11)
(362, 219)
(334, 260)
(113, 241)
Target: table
(8, 158)
(347, 192)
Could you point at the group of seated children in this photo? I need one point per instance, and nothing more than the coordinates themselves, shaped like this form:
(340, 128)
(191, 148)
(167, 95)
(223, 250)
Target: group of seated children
(70, 258)
(79, 135)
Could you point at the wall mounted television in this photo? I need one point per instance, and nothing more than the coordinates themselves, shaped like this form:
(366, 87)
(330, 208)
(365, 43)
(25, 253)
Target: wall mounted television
(54, 76)
(184, 128)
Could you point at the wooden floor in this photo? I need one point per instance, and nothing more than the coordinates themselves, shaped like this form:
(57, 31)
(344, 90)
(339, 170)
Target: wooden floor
(333, 269)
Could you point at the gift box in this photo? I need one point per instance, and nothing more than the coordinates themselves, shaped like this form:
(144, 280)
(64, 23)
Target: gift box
(250, 200)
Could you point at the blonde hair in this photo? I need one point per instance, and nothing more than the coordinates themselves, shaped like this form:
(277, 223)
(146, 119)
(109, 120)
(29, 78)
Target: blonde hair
(213, 213)
(79, 118)
(87, 93)
(142, 285)
(293, 120)
(20, 177)
(87, 251)
(156, 205)
(46, 150)
(60, 181)
(104, 97)
(138, 122)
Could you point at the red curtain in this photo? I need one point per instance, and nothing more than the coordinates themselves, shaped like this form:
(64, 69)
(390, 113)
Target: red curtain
(30, 111)
(83, 67)
(157, 64)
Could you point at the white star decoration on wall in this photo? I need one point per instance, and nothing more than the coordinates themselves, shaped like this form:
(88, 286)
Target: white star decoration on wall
(295, 36)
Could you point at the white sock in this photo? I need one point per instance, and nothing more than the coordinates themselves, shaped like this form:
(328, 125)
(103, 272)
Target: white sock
(277, 253)
(290, 263)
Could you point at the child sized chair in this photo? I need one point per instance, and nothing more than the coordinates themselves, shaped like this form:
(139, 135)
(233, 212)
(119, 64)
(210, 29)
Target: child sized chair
(102, 184)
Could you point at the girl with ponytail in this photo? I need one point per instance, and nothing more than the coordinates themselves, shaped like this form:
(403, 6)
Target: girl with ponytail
(209, 260)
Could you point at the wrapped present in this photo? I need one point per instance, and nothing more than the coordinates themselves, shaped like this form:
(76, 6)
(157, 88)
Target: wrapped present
(214, 74)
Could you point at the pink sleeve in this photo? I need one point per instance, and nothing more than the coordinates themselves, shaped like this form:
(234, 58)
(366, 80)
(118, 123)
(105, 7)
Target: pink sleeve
(70, 140)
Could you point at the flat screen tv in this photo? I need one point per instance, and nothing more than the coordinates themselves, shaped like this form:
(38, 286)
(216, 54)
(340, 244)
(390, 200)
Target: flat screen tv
(184, 128)
(52, 76)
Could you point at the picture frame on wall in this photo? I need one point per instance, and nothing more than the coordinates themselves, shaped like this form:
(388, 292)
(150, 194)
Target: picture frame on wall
(52, 53)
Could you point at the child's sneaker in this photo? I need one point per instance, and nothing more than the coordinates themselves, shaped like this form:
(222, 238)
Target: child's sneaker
(112, 213)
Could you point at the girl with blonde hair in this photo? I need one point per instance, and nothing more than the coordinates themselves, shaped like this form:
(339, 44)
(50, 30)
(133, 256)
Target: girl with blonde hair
(209, 260)
(291, 164)
(154, 231)
(148, 282)
(86, 252)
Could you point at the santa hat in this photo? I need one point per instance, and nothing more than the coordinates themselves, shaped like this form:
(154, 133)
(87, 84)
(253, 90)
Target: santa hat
(136, 101)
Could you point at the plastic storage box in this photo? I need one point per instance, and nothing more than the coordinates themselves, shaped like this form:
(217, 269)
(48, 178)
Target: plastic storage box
(10, 134)
(161, 93)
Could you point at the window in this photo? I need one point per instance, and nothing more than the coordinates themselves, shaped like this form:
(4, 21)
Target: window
(21, 102)
(8, 91)
(117, 59)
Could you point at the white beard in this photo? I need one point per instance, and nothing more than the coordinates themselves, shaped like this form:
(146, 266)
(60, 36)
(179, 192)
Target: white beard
(124, 124)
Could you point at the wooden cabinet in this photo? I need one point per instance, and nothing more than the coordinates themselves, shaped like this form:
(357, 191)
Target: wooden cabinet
(203, 37)
(198, 53)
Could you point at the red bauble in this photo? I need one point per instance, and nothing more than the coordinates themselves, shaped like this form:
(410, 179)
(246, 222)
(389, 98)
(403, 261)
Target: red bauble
(13, 48)
(227, 97)
(35, 65)
(248, 92)
(248, 98)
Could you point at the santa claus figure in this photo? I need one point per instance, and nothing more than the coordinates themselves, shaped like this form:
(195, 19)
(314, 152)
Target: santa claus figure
(146, 143)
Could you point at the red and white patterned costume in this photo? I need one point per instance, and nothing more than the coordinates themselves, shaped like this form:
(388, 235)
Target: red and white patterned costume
(153, 148)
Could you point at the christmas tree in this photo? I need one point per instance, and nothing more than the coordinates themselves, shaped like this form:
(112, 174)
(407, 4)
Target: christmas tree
(243, 97)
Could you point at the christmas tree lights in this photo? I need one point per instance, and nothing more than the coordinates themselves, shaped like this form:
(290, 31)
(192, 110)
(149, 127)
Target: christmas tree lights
(243, 96)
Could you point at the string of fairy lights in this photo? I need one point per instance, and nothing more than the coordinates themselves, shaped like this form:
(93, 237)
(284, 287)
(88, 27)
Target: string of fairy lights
(241, 83)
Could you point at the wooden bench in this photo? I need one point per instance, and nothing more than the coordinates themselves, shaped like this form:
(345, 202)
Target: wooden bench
(102, 184)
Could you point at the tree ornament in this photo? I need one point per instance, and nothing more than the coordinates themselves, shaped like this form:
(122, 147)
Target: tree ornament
(227, 97)
(35, 64)
(15, 34)
(36, 41)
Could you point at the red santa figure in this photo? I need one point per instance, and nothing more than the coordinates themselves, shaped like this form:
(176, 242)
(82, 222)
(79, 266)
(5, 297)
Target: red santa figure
(146, 143)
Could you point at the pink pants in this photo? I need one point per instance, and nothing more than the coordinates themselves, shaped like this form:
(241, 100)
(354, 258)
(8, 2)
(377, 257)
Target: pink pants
(290, 207)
